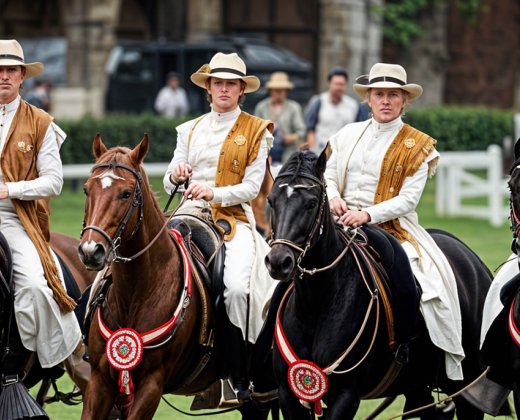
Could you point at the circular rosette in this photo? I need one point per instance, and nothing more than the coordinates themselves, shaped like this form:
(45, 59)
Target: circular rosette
(307, 381)
(124, 349)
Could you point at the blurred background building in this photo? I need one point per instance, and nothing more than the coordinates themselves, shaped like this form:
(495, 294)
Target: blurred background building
(458, 60)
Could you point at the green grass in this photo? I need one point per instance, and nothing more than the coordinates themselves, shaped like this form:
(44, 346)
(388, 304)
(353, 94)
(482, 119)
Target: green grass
(491, 244)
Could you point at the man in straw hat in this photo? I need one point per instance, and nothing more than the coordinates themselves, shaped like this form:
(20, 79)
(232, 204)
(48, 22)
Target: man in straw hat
(31, 172)
(286, 114)
(223, 154)
(363, 191)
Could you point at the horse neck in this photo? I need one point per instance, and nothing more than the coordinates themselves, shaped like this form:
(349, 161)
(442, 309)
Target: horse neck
(314, 292)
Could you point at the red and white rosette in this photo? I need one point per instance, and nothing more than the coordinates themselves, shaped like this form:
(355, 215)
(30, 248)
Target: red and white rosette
(124, 351)
(307, 381)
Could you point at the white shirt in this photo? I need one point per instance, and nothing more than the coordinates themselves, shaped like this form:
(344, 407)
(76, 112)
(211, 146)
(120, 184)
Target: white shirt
(172, 103)
(203, 155)
(332, 117)
(362, 175)
(48, 161)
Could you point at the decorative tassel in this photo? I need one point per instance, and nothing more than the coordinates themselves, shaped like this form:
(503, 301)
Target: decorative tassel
(126, 385)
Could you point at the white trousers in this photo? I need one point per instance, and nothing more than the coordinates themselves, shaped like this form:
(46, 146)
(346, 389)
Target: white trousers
(43, 328)
(238, 265)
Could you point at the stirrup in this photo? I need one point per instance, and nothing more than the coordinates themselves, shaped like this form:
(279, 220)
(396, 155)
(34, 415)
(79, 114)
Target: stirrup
(402, 353)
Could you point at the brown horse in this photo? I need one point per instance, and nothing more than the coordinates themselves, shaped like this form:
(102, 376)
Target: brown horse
(125, 230)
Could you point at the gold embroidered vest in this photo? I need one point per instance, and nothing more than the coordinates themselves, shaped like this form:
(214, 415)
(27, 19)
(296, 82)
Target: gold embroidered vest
(240, 149)
(402, 159)
(18, 162)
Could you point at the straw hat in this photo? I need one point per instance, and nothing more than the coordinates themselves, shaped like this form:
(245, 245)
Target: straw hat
(225, 66)
(11, 54)
(383, 75)
(279, 80)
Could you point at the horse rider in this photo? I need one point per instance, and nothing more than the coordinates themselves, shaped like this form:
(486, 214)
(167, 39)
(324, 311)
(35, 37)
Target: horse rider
(375, 176)
(223, 154)
(31, 173)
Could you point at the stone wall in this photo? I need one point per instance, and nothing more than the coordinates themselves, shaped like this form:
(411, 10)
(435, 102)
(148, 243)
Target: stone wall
(484, 63)
(350, 36)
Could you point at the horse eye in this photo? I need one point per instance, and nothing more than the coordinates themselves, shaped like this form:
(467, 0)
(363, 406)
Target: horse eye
(126, 194)
(311, 204)
(85, 191)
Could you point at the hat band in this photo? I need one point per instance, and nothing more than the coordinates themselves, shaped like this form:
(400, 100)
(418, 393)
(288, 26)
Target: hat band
(227, 70)
(12, 56)
(386, 79)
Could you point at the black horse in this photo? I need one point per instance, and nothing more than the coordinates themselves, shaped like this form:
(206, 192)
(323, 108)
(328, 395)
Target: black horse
(19, 368)
(334, 311)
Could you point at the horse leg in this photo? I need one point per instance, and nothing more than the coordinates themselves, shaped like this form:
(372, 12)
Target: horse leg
(291, 407)
(147, 397)
(99, 398)
(465, 411)
(344, 405)
(254, 411)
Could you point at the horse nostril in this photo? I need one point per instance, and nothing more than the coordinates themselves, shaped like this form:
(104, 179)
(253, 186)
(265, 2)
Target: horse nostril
(99, 252)
(287, 264)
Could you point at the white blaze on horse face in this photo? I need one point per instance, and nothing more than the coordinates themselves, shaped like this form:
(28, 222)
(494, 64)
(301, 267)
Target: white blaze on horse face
(290, 189)
(107, 178)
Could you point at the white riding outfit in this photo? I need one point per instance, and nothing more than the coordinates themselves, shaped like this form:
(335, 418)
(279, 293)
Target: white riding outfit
(245, 276)
(43, 328)
(353, 174)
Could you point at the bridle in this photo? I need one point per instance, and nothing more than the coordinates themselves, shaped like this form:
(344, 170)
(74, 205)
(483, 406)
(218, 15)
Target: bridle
(316, 228)
(137, 202)
(515, 220)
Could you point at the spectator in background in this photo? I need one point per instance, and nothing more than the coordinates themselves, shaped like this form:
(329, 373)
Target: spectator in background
(330, 111)
(171, 100)
(40, 94)
(286, 114)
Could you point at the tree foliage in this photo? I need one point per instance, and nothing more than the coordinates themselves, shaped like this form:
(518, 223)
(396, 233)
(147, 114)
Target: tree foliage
(402, 17)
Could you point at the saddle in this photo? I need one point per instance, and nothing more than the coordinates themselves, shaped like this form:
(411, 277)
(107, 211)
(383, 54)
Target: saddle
(205, 242)
(508, 291)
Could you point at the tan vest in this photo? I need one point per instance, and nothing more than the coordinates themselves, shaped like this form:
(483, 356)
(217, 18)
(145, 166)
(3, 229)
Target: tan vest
(239, 150)
(18, 162)
(402, 159)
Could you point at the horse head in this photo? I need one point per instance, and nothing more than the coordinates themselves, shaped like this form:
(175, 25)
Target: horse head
(299, 206)
(114, 202)
(514, 202)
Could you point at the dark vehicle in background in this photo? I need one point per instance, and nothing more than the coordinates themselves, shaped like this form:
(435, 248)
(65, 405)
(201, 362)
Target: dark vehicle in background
(137, 71)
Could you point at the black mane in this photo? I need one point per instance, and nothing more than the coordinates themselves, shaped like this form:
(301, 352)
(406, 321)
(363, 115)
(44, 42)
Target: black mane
(301, 162)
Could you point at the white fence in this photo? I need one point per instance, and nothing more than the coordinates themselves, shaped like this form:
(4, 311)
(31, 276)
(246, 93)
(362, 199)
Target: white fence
(454, 182)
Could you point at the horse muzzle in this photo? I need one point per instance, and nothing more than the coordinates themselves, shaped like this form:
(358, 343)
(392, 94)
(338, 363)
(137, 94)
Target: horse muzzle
(93, 255)
(281, 262)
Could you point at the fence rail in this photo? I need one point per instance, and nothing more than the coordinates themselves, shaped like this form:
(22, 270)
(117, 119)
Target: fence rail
(454, 182)
(78, 171)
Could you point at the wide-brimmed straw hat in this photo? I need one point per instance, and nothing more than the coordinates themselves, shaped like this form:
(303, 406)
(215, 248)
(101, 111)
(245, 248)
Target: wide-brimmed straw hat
(11, 54)
(225, 66)
(279, 80)
(383, 75)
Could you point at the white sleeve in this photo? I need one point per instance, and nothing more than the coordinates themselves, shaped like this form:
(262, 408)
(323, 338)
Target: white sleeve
(179, 155)
(50, 173)
(331, 176)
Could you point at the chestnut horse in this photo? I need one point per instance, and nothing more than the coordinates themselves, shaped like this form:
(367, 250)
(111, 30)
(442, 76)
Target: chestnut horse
(125, 231)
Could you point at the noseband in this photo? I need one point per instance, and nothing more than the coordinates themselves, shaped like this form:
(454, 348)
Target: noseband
(137, 201)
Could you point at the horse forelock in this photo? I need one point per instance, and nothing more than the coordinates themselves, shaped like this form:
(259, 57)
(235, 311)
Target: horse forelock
(301, 162)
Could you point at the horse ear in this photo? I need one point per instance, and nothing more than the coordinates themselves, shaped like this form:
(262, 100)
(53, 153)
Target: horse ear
(140, 151)
(322, 159)
(98, 148)
(517, 149)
